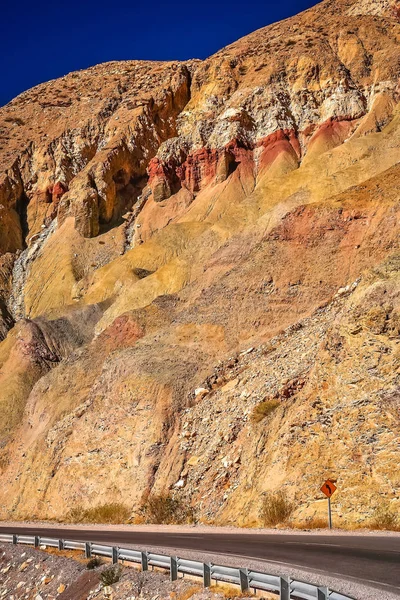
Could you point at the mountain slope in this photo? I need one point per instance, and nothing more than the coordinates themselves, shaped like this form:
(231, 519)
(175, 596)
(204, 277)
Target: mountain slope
(157, 220)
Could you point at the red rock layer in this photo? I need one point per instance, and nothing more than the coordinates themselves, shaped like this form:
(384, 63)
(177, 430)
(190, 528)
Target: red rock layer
(207, 165)
(276, 145)
(331, 133)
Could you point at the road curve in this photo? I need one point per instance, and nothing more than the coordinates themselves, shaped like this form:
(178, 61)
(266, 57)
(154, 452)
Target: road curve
(374, 560)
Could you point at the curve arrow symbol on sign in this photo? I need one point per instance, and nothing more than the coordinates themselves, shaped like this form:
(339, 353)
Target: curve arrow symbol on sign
(329, 488)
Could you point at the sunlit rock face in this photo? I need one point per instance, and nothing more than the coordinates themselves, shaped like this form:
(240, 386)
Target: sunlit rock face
(180, 242)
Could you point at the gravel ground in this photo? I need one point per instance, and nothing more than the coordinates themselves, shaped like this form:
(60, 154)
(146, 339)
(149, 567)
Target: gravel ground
(157, 586)
(348, 586)
(31, 574)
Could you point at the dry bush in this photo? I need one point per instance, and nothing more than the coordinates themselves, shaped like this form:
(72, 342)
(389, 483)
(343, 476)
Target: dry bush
(93, 563)
(186, 594)
(111, 512)
(229, 591)
(110, 576)
(385, 518)
(142, 273)
(276, 508)
(263, 409)
(163, 508)
(75, 515)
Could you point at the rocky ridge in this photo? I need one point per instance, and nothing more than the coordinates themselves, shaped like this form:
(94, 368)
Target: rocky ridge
(158, 220)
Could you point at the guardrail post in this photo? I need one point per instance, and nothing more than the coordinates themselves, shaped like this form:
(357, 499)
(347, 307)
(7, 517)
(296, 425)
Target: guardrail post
(88, 550)
(145, 561)
(286, 584)
(322, 593)
(174, 568)
(284, 588)
(244, 580)
(206, 574)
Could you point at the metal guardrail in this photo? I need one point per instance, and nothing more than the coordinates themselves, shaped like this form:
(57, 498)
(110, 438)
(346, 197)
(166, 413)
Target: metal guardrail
(284, 587)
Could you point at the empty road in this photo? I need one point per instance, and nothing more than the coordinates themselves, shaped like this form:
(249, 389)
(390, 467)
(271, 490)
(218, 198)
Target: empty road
(371, 559)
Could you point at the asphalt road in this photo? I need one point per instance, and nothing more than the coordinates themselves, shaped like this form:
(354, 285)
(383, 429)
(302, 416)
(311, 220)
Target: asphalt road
(371, 559)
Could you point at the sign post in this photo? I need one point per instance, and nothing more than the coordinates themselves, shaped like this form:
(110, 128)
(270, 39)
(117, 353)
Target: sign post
(329, 488)
(329, 513)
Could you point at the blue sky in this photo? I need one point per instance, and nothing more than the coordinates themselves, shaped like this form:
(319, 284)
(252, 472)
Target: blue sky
(43, 40)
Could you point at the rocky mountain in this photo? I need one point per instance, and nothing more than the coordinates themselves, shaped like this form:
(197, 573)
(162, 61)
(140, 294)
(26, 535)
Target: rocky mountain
(180, 242)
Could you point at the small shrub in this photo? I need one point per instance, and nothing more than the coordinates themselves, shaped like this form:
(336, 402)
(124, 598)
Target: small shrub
(317, 523)
(93, 563)
(385, 518)
(275, 508)
(186, 594)
(142, 273)
(110, 576)
(111, 512)
(140, 581)
(75, 515)
(163, 508)
(263, 409)
(229, 591)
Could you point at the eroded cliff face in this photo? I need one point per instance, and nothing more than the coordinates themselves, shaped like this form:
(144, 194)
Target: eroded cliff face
(232, 225)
